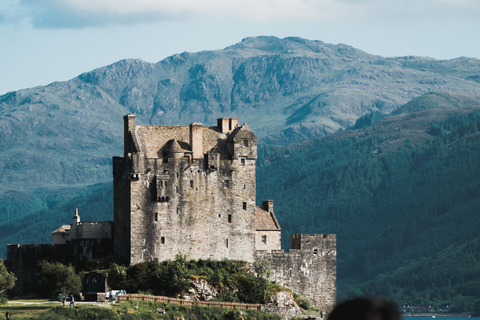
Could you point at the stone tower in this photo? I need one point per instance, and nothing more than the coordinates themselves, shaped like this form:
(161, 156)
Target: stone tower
(185, 189)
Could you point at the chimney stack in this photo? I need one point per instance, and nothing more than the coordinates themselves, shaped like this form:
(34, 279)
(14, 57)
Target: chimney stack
(223, 124)
(196, 140)
(268, 205)
(233, 123)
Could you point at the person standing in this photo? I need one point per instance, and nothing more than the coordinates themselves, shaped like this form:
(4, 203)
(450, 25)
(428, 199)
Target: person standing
(72, 301)
(7, 315)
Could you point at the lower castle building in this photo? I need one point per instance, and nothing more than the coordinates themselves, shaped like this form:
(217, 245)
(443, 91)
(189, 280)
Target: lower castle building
(192, 190)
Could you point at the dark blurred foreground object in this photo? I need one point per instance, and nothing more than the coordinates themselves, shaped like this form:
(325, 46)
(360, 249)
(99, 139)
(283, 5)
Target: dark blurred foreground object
(365, 309)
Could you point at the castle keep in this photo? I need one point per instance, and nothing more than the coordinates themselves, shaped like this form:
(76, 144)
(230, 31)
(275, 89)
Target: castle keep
(190, 190)
(186, 189)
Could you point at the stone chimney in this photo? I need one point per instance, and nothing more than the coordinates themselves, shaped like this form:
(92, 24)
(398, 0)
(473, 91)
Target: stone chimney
(223, 124)
(268, 205)
(196, 140)
(76, 218)
(233, 122)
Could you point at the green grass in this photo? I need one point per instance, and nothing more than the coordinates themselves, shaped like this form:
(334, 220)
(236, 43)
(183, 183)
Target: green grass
(32, 310)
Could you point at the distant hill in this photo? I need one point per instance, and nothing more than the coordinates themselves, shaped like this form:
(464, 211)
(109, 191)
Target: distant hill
(288, 90)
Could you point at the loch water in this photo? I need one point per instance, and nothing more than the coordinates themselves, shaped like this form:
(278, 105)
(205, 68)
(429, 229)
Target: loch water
(440, 318)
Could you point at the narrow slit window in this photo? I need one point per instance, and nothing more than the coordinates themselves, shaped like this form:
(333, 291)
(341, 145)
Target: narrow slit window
(177, 174)
(227, 243)
(162, 240)
(242, 161)
(165, 184)
(229, 218)
(264, 239)
(245, 143)
(156, 216)
(244, 206)
(176, 189)
(227, 183)
(178, 210)
(191, 184)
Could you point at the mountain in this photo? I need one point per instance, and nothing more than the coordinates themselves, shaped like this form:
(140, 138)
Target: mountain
(288, 90)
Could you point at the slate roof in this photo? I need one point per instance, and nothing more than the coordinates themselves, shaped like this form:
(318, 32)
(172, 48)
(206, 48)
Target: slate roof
(265, 221)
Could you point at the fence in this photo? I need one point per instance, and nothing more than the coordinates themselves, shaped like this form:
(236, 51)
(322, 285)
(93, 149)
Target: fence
(228, 305)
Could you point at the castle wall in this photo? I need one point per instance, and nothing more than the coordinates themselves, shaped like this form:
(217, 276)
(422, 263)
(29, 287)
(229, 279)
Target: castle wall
(168, 200)
(309, 270)
(23, 259)
(204, 216)
(273, 240)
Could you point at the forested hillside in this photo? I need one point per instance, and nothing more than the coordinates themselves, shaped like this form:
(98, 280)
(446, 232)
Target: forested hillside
(390, 208)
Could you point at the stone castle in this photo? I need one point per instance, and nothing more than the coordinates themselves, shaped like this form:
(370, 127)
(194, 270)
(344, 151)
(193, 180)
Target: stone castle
(192, 190)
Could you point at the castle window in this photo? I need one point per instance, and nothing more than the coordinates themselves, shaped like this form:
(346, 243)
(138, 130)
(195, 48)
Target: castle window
(227, 183)
(245, 143)
(177, 174)
(176, 189)
(227, 243)
(178, 210)
(315, 251)
(156, 216)
(244, 186)
(242, 161)
(264, 239)
(162, 240)
(191, 184)
(229, 218)
(167, 199)
(165, 183)
(244, 206)
(290, 272)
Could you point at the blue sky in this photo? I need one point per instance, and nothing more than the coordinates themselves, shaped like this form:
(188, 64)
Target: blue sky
(42, 41)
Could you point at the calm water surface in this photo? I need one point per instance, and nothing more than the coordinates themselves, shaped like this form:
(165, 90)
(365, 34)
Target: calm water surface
(440, 318)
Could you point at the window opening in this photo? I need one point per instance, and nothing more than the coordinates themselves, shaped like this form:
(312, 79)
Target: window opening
(191, 184)
(244, 206)
(229, 218)
(264, 239)
(162, 240)
(227, 183)
(156, 216)
(227, 243)
(245, 143)
(242, 161)
(178, 210)
(315, 251)
(176, 189)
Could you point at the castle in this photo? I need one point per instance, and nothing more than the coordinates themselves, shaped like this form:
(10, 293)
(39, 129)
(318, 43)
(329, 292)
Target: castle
(192, 190)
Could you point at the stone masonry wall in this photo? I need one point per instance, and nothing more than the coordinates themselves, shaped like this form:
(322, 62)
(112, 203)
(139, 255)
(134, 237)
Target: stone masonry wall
(309, 270)
(179, 205)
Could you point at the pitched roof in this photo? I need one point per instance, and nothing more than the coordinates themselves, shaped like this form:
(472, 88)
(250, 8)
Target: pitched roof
(62, 229)
(265, 221)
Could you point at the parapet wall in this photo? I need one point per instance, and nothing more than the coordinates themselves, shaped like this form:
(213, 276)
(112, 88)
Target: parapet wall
(23, 259)
(309, 268)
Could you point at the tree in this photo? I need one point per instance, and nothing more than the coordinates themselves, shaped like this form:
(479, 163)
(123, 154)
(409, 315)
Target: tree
(55, 278)
(7, 279)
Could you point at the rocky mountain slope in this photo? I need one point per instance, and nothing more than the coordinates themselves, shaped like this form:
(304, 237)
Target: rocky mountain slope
(288, 90)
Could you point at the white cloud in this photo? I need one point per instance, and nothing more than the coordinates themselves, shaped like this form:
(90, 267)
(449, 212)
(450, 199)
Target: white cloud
(83, 13)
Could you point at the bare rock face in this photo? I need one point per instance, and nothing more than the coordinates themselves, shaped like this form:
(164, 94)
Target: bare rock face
(200, 290)
(283, 304)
